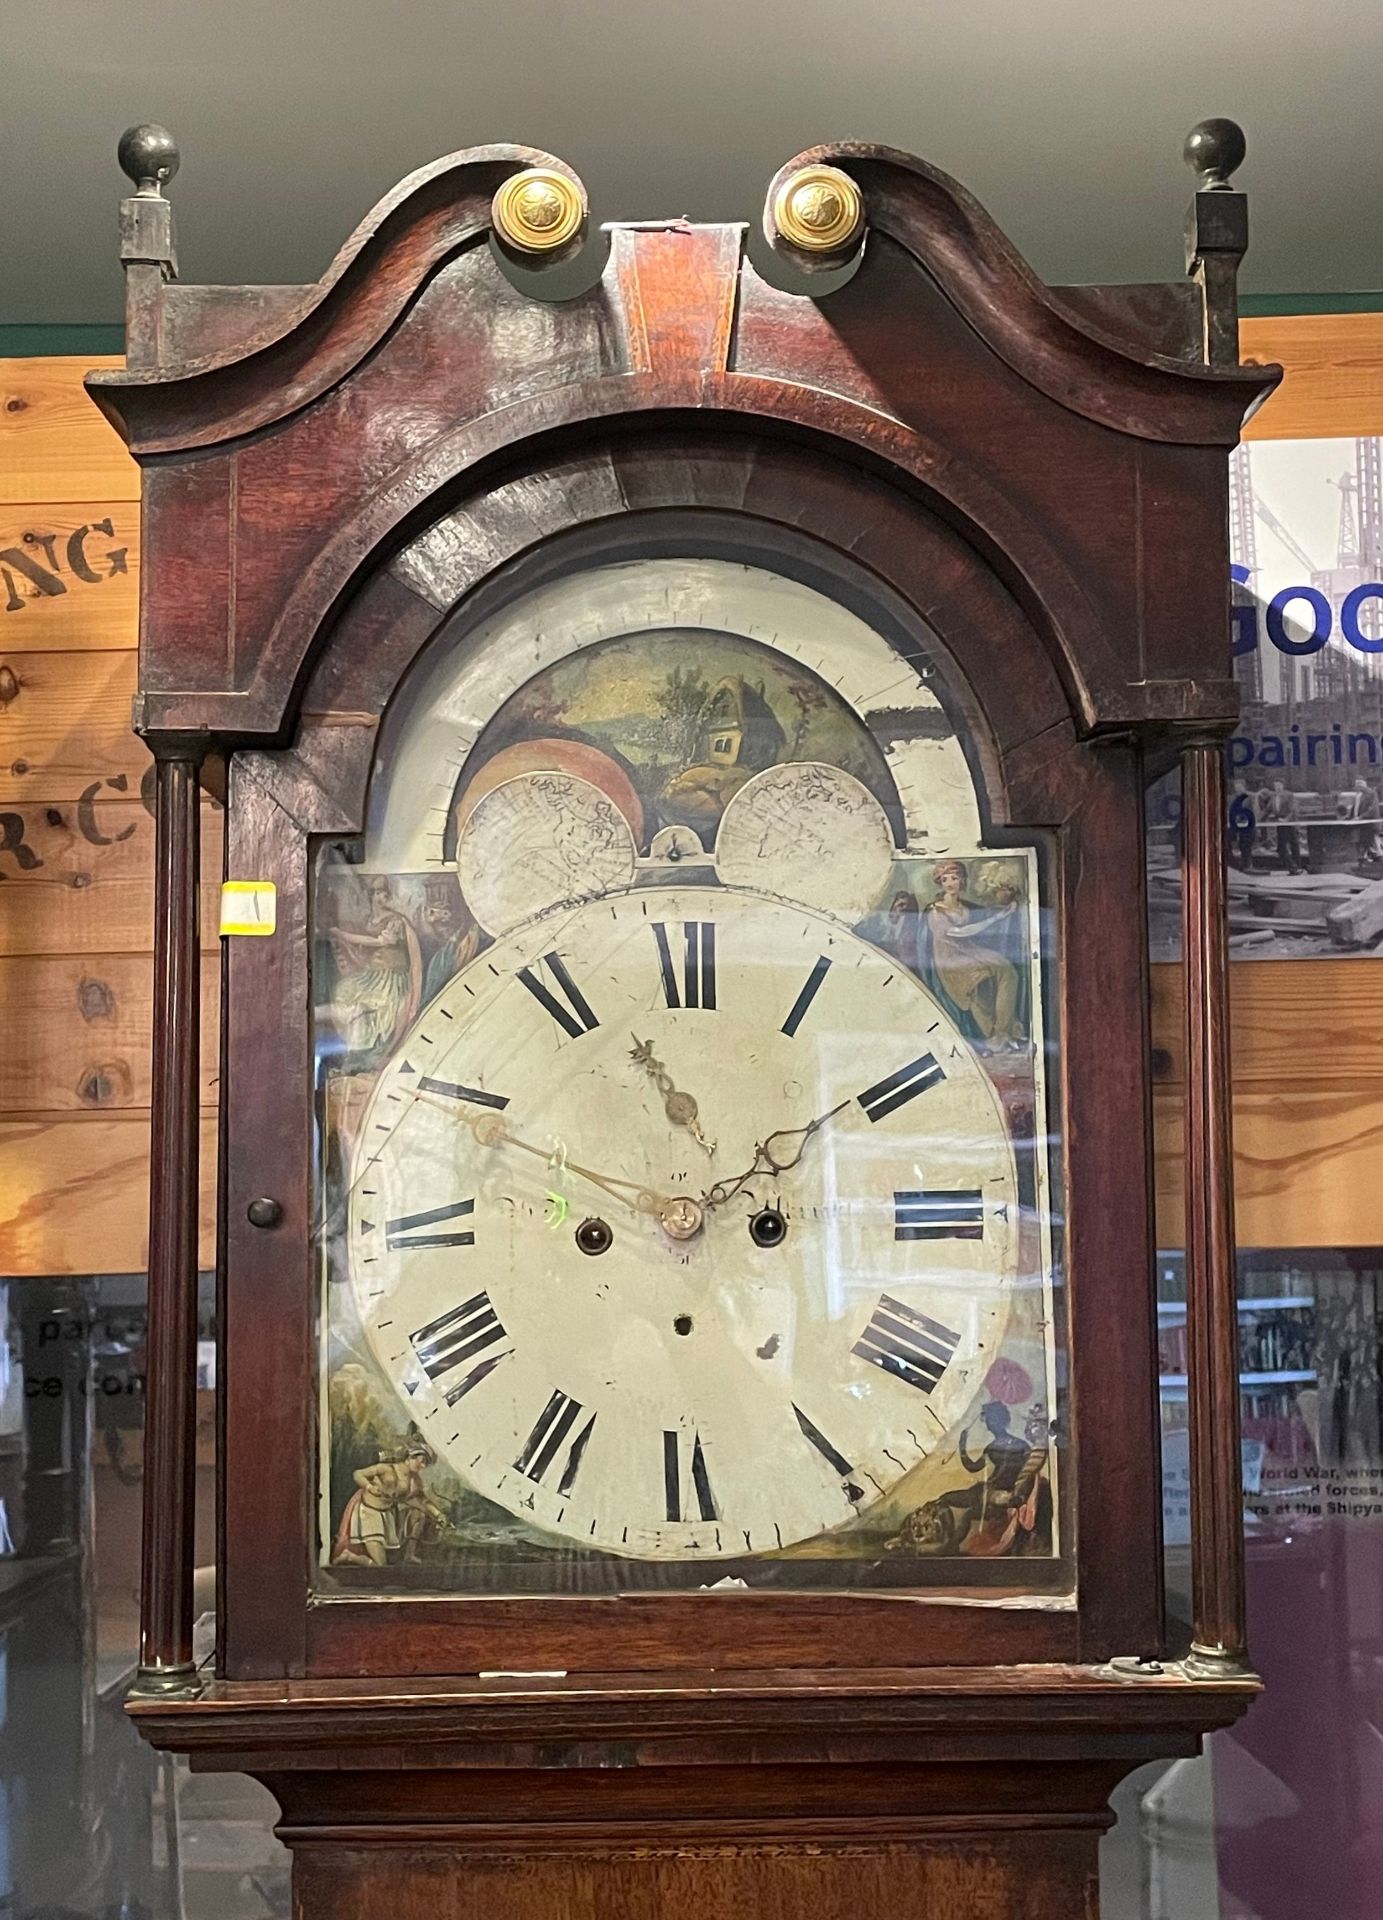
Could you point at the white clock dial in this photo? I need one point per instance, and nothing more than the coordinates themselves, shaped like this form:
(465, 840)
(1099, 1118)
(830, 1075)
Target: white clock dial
(685, 1224)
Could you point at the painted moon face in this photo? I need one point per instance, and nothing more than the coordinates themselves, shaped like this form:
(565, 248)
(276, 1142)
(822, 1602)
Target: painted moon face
(809, 833)
(541, 841)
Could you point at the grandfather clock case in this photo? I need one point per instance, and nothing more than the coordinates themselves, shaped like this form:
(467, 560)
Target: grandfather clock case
(689, 1436)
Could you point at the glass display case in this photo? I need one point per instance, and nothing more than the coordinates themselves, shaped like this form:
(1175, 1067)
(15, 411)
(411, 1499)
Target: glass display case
(1284, 1818)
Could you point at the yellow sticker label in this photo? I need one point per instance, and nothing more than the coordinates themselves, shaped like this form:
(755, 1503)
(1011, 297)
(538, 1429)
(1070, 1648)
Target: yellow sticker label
(248, 906)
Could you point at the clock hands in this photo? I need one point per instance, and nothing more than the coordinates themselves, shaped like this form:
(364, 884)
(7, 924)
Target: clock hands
(491, 1131)
(766, 1156)
(680, 1216)
(680, 1108)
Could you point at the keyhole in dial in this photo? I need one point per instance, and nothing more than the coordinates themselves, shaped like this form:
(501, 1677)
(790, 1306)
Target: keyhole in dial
(682, 1323)
(768, 1228)
(593, 1236)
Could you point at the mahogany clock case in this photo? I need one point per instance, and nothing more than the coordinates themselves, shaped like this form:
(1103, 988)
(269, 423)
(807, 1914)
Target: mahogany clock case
(270, 1124)
(1031, 486)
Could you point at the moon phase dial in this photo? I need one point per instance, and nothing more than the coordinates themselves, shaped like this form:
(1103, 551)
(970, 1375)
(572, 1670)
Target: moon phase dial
(808, 832)
(538, 841)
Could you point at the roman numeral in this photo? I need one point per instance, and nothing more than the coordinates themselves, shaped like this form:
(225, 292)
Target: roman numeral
(452, 1090)
(546, 1441)
(907, 1344)
(833, 1457)
(575, 1017)
(673, 1479)
(809, 992)
(698, 964)
(955, 1214)
(458, 1336)
(403, 1231)
(888, 1095)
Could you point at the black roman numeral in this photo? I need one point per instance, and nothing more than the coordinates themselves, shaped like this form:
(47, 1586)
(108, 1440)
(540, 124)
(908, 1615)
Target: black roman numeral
(458, 1336)
(546, 1441)
(403, 1231)
(809, 992)
(907, 1344)
(833, 1457)
(453, 1090)
(698, 964)
(700, 1480)
(955, 1214)
(575, 1017)
(888, 1095)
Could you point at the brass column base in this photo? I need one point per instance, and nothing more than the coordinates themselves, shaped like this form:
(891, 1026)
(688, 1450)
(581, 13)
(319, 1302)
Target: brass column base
(182, 1682)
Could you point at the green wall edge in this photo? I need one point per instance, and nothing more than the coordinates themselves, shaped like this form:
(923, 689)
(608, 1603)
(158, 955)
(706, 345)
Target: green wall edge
(1258, 306)
(18, 341)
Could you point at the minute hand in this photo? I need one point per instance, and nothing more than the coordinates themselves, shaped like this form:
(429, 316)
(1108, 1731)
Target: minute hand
(491, 1131)
(767, 1156)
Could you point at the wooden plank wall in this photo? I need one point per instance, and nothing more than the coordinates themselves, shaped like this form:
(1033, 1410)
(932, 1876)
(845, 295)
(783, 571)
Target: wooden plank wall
(1307, 1034)
(76, 843)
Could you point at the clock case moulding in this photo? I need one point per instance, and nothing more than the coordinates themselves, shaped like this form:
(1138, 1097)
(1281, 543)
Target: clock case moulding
(1042, 474)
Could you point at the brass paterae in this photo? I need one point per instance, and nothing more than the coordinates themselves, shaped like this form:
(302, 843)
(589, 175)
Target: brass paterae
(538, 211)
(819, 209)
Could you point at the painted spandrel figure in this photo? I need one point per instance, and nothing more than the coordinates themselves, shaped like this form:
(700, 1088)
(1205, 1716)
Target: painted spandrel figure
(1014, 1490)
(422, 1519)
(454, 936)
(379, 990)
(1007, 1506)
(962, 955)
(369, 1535)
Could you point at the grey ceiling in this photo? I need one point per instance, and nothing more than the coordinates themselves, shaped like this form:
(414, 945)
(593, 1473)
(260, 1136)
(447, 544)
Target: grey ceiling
(1065, 117)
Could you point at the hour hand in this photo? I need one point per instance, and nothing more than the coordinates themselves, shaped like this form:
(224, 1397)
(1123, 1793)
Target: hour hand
(680, 1108)
(491, 1131)
(678, 1214)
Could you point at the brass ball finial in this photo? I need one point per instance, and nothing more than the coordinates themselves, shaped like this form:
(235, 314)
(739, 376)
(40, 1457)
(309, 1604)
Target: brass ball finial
(1214, 150)
(818, 210)
(538, 211)
(149, 156)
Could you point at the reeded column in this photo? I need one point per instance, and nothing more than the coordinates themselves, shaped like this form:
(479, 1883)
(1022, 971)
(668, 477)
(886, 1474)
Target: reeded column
(170, 1412)
(1217, 1527)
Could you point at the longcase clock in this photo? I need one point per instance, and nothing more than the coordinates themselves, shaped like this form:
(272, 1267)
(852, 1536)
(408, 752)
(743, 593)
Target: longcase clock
(687, 1339)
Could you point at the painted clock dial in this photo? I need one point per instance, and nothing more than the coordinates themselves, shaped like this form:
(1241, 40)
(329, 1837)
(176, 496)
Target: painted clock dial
(685, 1132)
(798, 1195)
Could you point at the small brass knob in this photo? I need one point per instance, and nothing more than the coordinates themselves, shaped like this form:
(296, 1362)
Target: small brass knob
(819, 210)
(538, 211)
(264, 1212)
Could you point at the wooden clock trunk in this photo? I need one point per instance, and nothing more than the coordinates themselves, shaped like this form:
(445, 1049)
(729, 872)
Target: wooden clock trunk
(331, 473)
